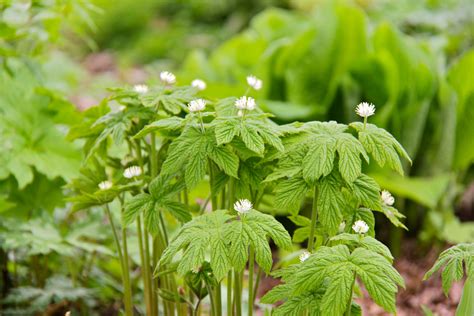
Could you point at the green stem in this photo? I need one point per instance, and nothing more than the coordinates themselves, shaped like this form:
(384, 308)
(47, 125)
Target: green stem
(145, 272)
(153, 157)
(218, 299)
(257, 283)
(251, 271)
(128, 289)
(211, 297)
(196, 308)
(229, 292)
(314, 219)
(211, 184)
(365, 122)
(237, 294)
(127, 300)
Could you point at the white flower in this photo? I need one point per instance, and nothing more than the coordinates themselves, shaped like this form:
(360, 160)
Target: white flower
(305, 255)
(196, 270)
(360, 227)
(199, 84)
(105, 185)
(245, 103)
(197, 105)
(387, 198)
(254, 82)
(167, 77)
(140, 88)
(365, 109)
(342, 226)
(243, 206)
(133, 171)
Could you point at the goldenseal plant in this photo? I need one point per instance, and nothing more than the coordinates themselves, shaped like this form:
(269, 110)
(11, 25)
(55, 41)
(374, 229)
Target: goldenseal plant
(150, 151)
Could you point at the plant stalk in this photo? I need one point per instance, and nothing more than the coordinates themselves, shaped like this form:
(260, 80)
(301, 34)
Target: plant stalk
(145, 275)
(251, 271)
(127, 291)
(314, 219)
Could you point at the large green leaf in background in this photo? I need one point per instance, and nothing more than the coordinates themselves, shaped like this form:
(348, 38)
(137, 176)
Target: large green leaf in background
(460, 76)
(30, 141)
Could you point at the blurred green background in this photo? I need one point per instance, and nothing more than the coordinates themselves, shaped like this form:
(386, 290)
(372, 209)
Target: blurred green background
(413, 59)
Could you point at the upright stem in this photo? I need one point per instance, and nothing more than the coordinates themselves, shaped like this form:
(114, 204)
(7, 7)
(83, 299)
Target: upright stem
(314, 219)
(213, 305)
(146, 277)
(229, 292)
(218, 300)
(153, 157)
(251, 270)
(257, 282)
(365, 122)
(127, 300)
(211, 184)
(128, 288)
(237, 293)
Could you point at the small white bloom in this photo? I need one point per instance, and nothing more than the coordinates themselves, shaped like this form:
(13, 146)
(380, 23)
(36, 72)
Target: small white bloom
(197, 105)
(342, 226)
(133, 171)
(167, 77)
(199, 84)
(360, 227)
(140, 88)
(387, 198)
(305, 255)
(243, 206)
(365, 109)
(105, 185)
(196, 269)
(245, 103)
(254, 82)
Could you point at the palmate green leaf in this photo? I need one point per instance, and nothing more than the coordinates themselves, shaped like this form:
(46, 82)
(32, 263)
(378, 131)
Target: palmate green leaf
(379, 277)
(452, 259)
(226, 131)
(252, 139)
(226, 159)
(339, 290)
(252, 131)
(366, 242)
(367, 192)
(229, 238)
(383, 147)
(238, 249)
(288, 166)
(319, 160)
(136, 206)
(191, 152)
(318, 143)
(289, 194)
(167, 124)
(393, 215)
(330, 201)
(337, 267)
(162, 193)
(349, 150)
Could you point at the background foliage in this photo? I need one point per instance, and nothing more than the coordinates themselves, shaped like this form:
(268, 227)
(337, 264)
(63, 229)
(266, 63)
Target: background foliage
(413, 59)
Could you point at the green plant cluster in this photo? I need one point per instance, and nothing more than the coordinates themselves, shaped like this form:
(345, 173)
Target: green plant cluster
(151, 149)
